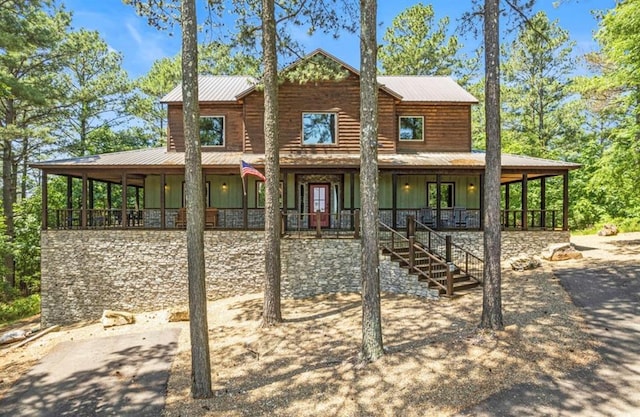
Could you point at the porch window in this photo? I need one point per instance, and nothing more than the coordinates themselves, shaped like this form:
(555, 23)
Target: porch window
(212, 131)
(447, 194)
(411, 128)
(261, 194)
(319, 129)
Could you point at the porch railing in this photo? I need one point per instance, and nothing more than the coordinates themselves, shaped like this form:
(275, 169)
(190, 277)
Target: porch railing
(336, 224)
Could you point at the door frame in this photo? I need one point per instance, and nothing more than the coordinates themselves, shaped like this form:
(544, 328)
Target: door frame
(325, 216)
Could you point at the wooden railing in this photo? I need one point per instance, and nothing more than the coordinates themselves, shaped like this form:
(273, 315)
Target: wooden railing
(405, 249)
(335, 225)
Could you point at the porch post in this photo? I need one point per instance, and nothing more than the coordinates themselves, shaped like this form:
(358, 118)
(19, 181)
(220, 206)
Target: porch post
(507, 204)
(394, 200)
(109, 216)
(352, 187)
(69, 215)
(525, 199)
(91, 196)
(438, 197)
(45, 202)
(83, 211)
(543, 203)
(123, 210)
(163, 203)
(245, 211)
(565, 201)
(481, 186)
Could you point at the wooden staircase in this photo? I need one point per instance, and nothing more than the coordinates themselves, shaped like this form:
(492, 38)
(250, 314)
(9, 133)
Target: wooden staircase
(446, 267)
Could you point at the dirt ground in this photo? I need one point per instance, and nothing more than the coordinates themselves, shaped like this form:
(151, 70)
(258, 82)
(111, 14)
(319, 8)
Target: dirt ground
(437, 361)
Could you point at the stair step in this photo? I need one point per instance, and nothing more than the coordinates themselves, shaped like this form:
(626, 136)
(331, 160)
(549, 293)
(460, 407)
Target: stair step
(463, 285)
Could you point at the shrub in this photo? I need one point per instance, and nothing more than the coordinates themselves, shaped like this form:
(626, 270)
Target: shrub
(19, 308)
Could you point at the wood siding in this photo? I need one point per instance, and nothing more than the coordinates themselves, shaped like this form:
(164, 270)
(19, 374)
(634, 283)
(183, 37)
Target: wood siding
(342, 98)
(233, 128)
(447, 127)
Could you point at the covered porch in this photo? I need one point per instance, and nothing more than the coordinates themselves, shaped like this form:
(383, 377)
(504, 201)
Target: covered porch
(319, 193)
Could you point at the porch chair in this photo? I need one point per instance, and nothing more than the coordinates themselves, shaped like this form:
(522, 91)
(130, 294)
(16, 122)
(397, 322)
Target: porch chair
(426, 216)
(181, 218)
(459, 217)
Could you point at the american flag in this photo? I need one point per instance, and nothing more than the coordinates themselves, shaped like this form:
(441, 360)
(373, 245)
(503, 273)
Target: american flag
(247, 169)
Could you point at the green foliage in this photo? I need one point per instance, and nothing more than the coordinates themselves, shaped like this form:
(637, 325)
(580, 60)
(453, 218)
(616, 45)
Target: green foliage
(539, 109)
(314, 69)
(415, 45)
(19, 308)
(26, 245)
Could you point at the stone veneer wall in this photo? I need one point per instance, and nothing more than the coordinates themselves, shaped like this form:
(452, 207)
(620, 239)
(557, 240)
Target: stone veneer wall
(87, 271)
(513, 242)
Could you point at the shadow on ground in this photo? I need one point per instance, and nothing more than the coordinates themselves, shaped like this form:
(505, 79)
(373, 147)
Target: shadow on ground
(122, 375)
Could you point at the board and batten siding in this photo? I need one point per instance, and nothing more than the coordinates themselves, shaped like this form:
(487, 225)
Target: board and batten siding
(233, 129)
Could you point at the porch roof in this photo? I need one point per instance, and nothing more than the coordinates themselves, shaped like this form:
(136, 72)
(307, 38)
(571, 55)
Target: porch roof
(159, 159)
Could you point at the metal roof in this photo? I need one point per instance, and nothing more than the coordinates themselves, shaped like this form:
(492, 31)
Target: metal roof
(427, 88)
(213, 88)
(161, 158)
(407, 88)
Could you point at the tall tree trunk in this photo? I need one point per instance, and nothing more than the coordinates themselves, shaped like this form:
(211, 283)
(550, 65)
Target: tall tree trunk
(492, 298)
(371, 317)
(271, 313)
(24, 174)
(8, 187)
(200, 358)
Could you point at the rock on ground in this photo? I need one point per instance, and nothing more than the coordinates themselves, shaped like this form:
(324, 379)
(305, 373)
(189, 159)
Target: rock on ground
(561, 252)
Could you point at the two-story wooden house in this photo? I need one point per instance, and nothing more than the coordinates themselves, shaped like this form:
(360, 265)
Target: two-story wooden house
(427, 167)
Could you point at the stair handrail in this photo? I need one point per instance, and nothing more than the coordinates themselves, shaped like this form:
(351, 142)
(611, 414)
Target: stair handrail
(414, 246)
(469, 258)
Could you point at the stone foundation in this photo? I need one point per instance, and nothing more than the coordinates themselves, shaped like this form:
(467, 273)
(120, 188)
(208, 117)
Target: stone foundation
(87, 271)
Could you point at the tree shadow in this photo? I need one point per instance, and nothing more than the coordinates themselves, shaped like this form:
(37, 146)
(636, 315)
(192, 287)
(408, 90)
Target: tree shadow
(128, 381)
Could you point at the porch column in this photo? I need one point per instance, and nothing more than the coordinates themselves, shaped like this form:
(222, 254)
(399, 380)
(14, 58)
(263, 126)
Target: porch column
(481, 186)
(525, 200)
(83, 210)
(123, 209)
(507, 204)
(438, 197)
(352, 187)
(69, 215)
(245, 209)
(91, 196)
(45, 203)
(565, 201)
(109, 216)
(543, 203)
(163, 214)
(394, 200)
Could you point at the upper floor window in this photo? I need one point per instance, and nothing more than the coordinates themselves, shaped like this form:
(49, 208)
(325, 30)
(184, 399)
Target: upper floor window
(319, 129)
(412, 128)
(212, 130)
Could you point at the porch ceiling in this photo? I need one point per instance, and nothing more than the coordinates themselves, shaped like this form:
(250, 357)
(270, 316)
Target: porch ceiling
(109, 167)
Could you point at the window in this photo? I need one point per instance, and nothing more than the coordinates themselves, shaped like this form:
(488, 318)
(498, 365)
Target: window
(411, 128)
(319, 129)
(447, 193)
(212, 131)
(260, 194)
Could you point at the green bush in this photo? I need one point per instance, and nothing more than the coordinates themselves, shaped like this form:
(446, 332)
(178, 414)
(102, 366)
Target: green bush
(19, 308)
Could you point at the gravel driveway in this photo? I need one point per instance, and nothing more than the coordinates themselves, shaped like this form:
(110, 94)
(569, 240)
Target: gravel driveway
(605, 285)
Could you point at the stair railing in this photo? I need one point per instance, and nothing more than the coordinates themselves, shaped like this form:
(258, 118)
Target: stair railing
(405, 249)
(443, 247)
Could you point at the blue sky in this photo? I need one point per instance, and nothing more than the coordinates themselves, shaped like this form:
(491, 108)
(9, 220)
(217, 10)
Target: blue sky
(141, 44)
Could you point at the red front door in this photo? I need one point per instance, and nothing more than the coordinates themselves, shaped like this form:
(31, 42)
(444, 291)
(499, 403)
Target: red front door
(319, 202)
